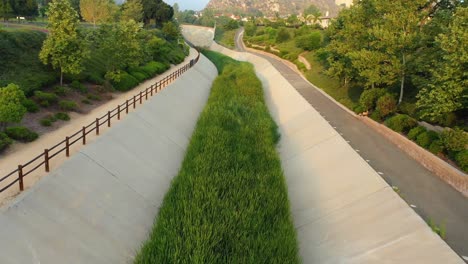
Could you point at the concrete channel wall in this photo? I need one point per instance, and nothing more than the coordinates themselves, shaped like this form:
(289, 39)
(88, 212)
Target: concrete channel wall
(343, 211)
(99, 206)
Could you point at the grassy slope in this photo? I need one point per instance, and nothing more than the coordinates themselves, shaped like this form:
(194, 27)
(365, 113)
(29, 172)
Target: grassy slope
(229, 202)
(20, 64)
(225, 38)
(348, 96)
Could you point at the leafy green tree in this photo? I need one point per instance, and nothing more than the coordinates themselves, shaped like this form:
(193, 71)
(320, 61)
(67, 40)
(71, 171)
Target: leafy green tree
(64, 48)
(171, 30)
(132, 10)
(11, 105)
(6, 10)
(157, 10)
(120, 46)
(448, 90)
(283, 35)
(25, 7)
(250, 29)
(97, 11)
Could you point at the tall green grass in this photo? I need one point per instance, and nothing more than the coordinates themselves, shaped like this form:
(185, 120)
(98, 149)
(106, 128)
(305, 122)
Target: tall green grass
(229, 202)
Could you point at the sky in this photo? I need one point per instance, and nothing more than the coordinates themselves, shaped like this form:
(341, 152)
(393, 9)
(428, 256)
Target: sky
(189, 4)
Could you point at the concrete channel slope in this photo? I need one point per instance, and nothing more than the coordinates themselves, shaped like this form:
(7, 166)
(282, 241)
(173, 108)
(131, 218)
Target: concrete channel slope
(343, 211)
(99, 206)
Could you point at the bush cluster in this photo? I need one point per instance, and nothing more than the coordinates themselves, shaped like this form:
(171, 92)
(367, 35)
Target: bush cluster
(79, 87)
(31, 106)
(5, 141)
(369, 98)
(401, 123)
(414, 133)
(62, 116)
(48, 120)
(22, 134)
(67, 105)
(425, 139)
(46, 99)
(126, 82)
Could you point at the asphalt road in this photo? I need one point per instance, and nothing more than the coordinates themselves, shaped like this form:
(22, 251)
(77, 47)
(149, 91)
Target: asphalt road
(427, 194)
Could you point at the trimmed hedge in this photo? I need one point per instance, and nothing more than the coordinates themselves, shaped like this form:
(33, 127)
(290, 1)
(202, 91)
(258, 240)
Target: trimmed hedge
(414, 133)
(462, 160)
(126, 82)
(46, 99)
(425, 139)
(401, 123)
(22, 134)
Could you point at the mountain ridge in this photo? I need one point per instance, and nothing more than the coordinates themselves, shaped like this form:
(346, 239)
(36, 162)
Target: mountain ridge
(272, 7)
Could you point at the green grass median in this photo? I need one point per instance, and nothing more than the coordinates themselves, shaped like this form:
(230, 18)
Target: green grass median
(229, 202)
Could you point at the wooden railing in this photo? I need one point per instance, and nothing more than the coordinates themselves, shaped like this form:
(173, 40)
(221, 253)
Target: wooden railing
(43, 160)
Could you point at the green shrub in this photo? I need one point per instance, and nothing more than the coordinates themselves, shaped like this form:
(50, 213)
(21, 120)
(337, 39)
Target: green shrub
(462, 160)
(309, 42)
(126, 82)
(5, 141)
(407, 108)
(62, 116)
(401, 123)
(386, 105)
(67, 105)
(45, 122)
(454, 139)
(22, 134)
(86, 101)
(414, 133)
(436, 147)
(375, 115)
(31, 106)
(79, 87)
(46, 99)
(359, 109)
(152, 68)
(369, 98)
(60, 90)
(94, 97)
(138, 75)
(96, 78)
(425, 139)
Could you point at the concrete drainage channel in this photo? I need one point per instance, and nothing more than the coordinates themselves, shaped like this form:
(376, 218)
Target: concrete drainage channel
(99, 206)
(343, 210)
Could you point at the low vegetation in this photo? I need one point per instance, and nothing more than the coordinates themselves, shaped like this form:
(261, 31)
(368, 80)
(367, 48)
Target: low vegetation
(229, 203)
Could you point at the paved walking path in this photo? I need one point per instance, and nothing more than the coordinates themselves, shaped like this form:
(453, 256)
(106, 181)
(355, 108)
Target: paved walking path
(432, 197)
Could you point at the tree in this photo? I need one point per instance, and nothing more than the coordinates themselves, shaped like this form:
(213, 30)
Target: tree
(171, 30)
(64, 48)
(120, 47)
(11, 105)
(5, 9)
(448, 90)
(97, 11)
(157, 10)
(132, 10)
(24, 7)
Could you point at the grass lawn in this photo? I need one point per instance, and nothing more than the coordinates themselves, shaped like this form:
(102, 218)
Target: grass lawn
(229, 202)
(348, 96)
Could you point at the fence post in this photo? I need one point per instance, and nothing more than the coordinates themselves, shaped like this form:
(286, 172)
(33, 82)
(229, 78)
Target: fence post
(152, 88)
(46, 160)
(141, 97)
(134, 101)
(108, 119)
(126, 107)
(67, 146)
(146, 94)
(97, 126)
(84, 135)
(20, 177)
(118, 112)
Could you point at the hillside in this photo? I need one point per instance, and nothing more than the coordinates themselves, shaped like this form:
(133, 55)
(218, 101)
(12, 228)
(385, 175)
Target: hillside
(271, 7)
